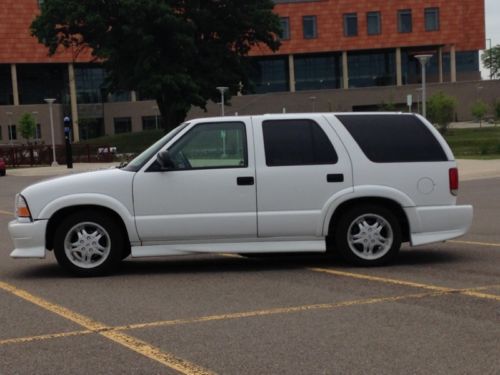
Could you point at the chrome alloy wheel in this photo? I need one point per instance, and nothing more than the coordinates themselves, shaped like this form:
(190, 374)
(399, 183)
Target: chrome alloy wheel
(370, 236)
(87, 245)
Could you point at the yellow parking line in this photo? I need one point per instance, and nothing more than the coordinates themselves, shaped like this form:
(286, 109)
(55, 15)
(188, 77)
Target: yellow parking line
(381, 279)
(6, 213)
(472, 292)
(476, 243)
(127, 341)
(279, 310)
(22, 340)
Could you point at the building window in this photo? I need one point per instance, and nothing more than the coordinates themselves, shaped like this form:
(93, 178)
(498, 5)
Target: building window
(150, 122)
(373, 23)
(12, 132)
(269, 74)
(123, 125)
(317, 72)
(404, 21)
(309, 27)
(350, 24)
(372, 68)
(431, 19)
(285, 28)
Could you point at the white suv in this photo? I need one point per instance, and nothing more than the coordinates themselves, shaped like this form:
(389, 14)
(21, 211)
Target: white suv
(356, 184)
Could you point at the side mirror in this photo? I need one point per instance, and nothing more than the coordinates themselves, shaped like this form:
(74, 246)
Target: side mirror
(165, 161)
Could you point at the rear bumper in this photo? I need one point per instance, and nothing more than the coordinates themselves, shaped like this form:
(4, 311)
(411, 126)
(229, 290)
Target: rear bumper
(28, 238)
(438, 223)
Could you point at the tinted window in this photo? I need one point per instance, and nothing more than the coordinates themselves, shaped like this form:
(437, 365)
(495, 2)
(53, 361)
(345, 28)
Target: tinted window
(296, 142)
(393, 138)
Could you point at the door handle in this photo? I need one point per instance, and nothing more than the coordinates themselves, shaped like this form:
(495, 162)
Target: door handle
(245, 180)
(335, 177)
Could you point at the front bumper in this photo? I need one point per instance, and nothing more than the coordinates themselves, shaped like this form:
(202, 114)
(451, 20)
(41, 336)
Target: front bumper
(438, 223)
(28, 238)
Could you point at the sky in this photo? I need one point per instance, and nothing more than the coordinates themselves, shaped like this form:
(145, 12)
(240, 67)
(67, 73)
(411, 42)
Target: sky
(492, 26)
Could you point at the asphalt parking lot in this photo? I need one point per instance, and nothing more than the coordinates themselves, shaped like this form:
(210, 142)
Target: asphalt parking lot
(436, 310)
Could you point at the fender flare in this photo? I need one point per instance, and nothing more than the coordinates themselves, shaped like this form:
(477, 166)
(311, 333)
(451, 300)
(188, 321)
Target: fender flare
(364, 191)
(93, 199)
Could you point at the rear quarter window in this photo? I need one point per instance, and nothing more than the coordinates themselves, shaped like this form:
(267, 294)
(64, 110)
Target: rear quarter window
(393, 138)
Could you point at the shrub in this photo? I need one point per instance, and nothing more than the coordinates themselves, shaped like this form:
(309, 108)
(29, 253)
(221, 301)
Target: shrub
(478, 111)
(27, 126)
(441, 110)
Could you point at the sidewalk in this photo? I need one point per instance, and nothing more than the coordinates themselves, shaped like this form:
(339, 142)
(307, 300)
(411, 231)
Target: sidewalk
(468, 169)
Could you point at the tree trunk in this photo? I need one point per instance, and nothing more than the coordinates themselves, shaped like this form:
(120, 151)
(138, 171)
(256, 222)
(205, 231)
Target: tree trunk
(172, 114)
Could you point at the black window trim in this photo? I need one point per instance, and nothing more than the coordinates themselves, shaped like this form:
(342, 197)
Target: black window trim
(438, 26)
(288, 36)
(154, 167)
(347, 16)
(315, 24)
(400, 13)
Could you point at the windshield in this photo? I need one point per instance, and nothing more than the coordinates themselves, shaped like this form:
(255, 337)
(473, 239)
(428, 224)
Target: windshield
(135, 164)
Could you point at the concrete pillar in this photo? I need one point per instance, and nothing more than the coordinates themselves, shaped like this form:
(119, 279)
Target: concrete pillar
(15, 87)
(345, 71)
(440, 64)
(73, 100)
(291, 73)
(399, 71)
(133, 96)
(453, 63)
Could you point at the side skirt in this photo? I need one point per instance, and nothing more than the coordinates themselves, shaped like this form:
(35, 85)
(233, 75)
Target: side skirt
(249, 247)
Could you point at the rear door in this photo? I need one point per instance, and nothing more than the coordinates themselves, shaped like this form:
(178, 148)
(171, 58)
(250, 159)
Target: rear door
(301, 164)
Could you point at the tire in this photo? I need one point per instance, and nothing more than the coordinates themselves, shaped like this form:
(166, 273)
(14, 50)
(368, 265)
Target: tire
(368, 235)
(89, 244)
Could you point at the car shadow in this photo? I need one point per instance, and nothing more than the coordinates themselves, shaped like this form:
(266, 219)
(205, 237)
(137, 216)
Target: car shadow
(228, 263)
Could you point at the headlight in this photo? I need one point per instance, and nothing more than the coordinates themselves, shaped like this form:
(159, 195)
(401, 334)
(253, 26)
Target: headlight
(22, 210)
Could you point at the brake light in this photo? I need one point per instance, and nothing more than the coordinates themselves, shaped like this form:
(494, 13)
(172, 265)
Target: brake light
(453, 173)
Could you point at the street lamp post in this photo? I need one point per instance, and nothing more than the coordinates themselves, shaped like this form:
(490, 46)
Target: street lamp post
(424, 59)
(50, 102)
(157, 110)
(313, 103)
(222, 90)
(490, 53)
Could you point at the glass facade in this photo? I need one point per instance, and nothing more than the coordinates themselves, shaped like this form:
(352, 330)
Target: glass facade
(150, 122)
(39, 81)
(5, 85)
(90, 85)
(91, 128)
(372, 68)
(315, 72)
(270, 74)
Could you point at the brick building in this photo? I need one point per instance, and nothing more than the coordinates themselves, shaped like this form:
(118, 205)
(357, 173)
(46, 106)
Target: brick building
(328, 46)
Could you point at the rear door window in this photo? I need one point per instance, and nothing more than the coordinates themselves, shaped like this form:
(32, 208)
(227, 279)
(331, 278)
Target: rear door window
(393, 138)
(296, 142)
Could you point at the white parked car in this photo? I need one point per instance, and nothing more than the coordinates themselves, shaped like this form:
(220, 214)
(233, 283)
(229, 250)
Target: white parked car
(357, 184)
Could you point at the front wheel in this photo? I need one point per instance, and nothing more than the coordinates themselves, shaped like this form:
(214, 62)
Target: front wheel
(87, 244)
(368, 235)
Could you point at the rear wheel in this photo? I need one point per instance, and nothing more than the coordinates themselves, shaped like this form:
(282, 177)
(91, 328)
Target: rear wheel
(368, 235)
(88, 244)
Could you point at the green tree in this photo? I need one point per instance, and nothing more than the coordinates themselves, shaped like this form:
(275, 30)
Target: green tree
(441, 110)
(478, 111)
(27, 126)
(175, 51)
(491, 61)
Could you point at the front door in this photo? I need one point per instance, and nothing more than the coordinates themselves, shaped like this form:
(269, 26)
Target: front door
(208, 194)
